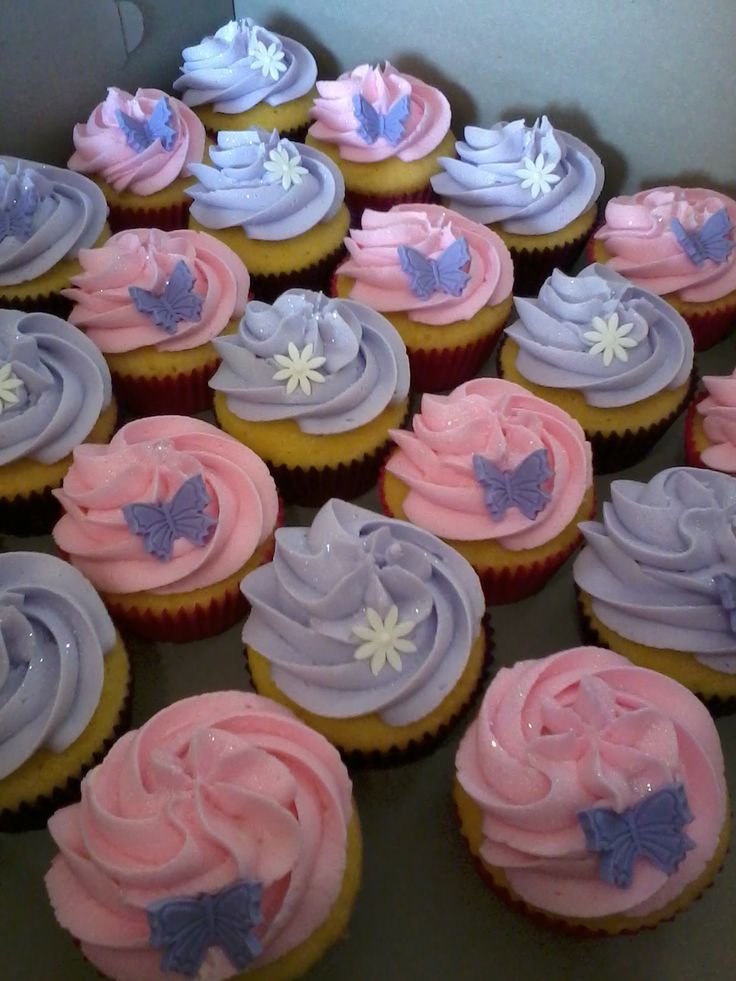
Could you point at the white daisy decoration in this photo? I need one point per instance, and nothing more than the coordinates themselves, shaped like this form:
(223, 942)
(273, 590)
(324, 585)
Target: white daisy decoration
(384, 639)
(610, 339)
(537, 175)
(282, 167)
(10, 386)
(268, 60)
(299, 368)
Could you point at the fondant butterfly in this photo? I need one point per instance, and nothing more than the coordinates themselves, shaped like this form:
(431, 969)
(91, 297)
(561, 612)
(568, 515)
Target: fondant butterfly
(17, 219)
(520, 488)
(182, 517)
(175, 303)
(141, 133)
(187, 927)
(712, 241)
(651, 829)
(374, 124)
(447, 274)
(726, 586)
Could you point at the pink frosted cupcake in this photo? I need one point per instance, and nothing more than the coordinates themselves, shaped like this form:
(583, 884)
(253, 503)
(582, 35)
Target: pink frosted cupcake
(501, 475)
(165, 522)
(677, 242)
(152, 302)
(442, 280)
(138, 148)
(220, 840)
(592, 792)
(710, 426)
(386, 131)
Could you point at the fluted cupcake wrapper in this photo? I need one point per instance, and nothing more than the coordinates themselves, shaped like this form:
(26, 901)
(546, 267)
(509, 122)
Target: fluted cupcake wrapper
(185, 393)
(179, 626)
(33, 815)
(53, 303)
(318, 276)
(357, 202)
(533, 266)
(692, 453)
(168, 219)
(445, 369)
(34, 513)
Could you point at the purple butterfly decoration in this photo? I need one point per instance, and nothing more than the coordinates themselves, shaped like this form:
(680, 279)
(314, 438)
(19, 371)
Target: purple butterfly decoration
(374, 124)
(141, 133)
(185, 928)
(520, 488)
(651, 829)
(726, 586)
(444, 275)
(182, 517)
(713, 241)
(16, 219)
(176, 302)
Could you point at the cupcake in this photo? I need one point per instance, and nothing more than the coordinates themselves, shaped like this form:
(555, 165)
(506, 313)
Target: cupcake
(536, 186)
(656, 581)
(710, 425)
(385, 130)
(499, 474)
(152, 302)
(219, 840)
(617, 358)
(592, 792)
(64, 686)
(443, 281)
(165, 522)
(677, 242)
(313, 386)
(247, 76)
(47, 214)
(369, 629)
(277, 204)
(138, 149)
(55, 393)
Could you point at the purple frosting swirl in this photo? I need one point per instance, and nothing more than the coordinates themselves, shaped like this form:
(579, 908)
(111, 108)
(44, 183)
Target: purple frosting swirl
(222, 71)
(653, 566)
(322, 580)
(485, 184)
(68, 214)
(553, 350)
(365, 368)
(65, 386)
(54, 633)
(240, 190)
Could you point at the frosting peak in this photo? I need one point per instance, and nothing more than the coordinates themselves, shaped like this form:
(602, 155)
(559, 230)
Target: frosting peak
(358, 363)
(718, 410)
(273, 188)
(46, 214)
(356, 576)
(242, 65)
(531, 180)
(373, 113)
(556, 334)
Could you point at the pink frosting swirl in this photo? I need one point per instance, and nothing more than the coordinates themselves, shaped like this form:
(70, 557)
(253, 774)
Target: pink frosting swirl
(147, 461)
(638, 233)
(580, 729)
(504, 423)
(718, 410)
(381, 283)
(102, 148)
(213, 789)
(424, 129)
(146, 258)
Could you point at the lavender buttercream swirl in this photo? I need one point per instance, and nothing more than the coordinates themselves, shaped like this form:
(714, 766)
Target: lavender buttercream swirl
(323, 579)
(240, 190)
(364, 368)
(225, 70)
(659, 565)
(486, 182)
(46, 214)
(65, 385)
(553, 350)
(54, 634)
